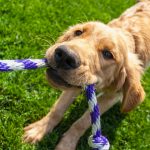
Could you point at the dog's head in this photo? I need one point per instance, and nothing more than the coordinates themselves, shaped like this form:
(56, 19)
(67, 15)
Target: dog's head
(95, 53)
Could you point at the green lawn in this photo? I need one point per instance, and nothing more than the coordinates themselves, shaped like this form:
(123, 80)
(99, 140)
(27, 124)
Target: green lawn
(27, 29)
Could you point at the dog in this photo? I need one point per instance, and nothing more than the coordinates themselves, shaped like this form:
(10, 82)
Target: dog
(112, 56)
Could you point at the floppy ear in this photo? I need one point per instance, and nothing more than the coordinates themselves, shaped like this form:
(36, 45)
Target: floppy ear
(133, 92)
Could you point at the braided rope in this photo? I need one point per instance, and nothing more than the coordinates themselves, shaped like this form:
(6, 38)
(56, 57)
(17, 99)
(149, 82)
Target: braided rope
(96, 140)
(12, 65)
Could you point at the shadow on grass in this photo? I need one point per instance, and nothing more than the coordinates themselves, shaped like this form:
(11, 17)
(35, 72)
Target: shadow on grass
(110, 121)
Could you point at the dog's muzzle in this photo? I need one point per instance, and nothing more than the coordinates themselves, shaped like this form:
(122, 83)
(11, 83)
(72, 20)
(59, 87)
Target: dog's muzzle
(64, 60)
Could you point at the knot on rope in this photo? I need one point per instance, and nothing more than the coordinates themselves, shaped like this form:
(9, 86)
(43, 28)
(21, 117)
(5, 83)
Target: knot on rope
(98, 143)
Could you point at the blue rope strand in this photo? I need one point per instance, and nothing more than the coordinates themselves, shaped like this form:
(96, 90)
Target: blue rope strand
(96, 141)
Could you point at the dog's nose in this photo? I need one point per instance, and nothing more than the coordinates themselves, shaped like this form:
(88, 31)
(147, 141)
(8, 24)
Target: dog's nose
(66, 59)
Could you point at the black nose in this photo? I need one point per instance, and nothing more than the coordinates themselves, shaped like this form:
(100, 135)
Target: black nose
(66, 59)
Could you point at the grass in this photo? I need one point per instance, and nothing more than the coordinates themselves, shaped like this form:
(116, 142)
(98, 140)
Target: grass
(27, 29)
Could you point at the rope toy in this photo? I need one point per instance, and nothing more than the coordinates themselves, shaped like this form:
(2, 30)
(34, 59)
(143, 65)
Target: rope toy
(22, 64)
(96, 140)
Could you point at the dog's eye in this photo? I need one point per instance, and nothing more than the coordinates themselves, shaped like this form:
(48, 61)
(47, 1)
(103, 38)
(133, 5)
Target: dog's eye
(107, 54)
(78, 32)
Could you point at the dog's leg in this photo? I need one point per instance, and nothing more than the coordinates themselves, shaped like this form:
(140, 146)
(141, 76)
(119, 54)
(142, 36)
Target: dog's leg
(35, 132)
(72, 136)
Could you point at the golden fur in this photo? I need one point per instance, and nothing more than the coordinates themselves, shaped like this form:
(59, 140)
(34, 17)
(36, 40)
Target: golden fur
(128, 40)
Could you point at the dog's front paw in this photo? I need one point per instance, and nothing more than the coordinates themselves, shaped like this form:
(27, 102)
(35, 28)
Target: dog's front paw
(35, 132)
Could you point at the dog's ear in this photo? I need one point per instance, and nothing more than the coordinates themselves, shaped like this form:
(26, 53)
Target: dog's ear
(133, 92)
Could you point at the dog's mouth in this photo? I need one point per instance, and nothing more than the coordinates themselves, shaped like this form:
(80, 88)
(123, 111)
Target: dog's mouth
(57, 79)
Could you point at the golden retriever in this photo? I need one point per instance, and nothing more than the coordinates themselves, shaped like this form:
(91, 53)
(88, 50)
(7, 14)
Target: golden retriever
(112, 56)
